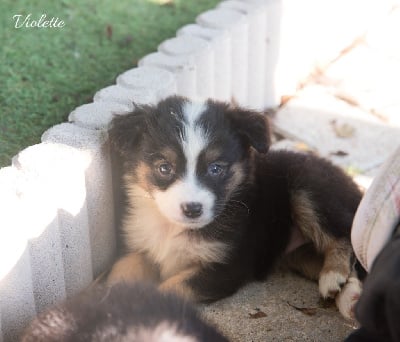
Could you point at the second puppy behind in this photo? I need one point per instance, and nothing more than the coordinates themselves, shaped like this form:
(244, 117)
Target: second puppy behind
(122, 313)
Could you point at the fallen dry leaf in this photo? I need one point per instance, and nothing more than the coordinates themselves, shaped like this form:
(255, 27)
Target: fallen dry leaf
(347, 98)
(339, 153)
(285, 99)
(306, 311)
(342, 130)
(258, 314)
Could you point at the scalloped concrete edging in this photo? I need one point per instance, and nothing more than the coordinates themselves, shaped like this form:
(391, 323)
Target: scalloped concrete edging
(56, 198)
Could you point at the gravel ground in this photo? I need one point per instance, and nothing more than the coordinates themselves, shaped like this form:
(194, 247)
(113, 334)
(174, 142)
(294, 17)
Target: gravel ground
(286, 307)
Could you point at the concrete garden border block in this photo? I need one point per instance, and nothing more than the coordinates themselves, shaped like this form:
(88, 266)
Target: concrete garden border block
(274, 13)
(17, 303)
(10, 205)
(96, 187)
(17, 300)
(257, 48)
(273, 19)
(203, 57)
(46, 263)
(159, 81)
(97, 115)
(182, 67)
(221, 45)
(57, 171)
(39, 189)
(128, 97)
(237, 26)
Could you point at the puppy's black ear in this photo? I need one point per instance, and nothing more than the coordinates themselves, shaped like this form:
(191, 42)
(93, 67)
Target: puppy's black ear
(253, 127)
(127, 130)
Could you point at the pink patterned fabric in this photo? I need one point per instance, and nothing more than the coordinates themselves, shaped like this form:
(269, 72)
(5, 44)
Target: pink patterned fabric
(378, 213)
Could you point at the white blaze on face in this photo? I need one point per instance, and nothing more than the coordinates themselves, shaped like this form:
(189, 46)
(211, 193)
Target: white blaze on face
(188, 189)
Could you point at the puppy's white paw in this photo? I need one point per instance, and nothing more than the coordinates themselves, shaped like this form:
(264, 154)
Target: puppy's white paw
(348, 297)
(331, 283)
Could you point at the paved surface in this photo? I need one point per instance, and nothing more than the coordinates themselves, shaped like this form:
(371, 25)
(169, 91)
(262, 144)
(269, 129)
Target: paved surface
(286, 307)
(349, 113)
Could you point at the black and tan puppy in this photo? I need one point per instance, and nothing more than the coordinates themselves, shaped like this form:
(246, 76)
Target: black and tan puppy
(207, 209)
(122, 313)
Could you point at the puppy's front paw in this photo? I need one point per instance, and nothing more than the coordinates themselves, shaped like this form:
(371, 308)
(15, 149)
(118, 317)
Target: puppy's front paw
(131, 268)
(331, 283)
(348, 297)
(178, 284)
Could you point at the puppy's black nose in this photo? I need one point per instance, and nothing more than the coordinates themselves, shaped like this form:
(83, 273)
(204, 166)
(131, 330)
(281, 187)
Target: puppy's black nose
(192, 209)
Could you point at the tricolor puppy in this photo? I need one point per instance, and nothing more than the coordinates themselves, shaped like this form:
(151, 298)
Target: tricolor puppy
(122, 313)
(207, 209)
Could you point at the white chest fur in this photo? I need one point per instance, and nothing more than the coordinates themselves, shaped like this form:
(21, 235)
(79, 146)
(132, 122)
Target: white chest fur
(168, 245)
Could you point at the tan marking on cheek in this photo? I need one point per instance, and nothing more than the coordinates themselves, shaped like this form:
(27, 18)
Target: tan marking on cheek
(236, 178)
(143, 170)
(142, 175)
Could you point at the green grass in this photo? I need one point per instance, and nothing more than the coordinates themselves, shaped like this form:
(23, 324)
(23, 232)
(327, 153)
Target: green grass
(46, 72)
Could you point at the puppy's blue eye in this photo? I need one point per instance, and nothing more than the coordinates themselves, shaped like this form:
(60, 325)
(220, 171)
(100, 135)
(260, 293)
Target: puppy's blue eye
(215, 169)
(165, 169)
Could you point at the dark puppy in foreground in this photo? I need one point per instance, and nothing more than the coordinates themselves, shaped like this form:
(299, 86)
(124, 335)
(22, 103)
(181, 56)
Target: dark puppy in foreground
(121, 313)
(208, 208)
